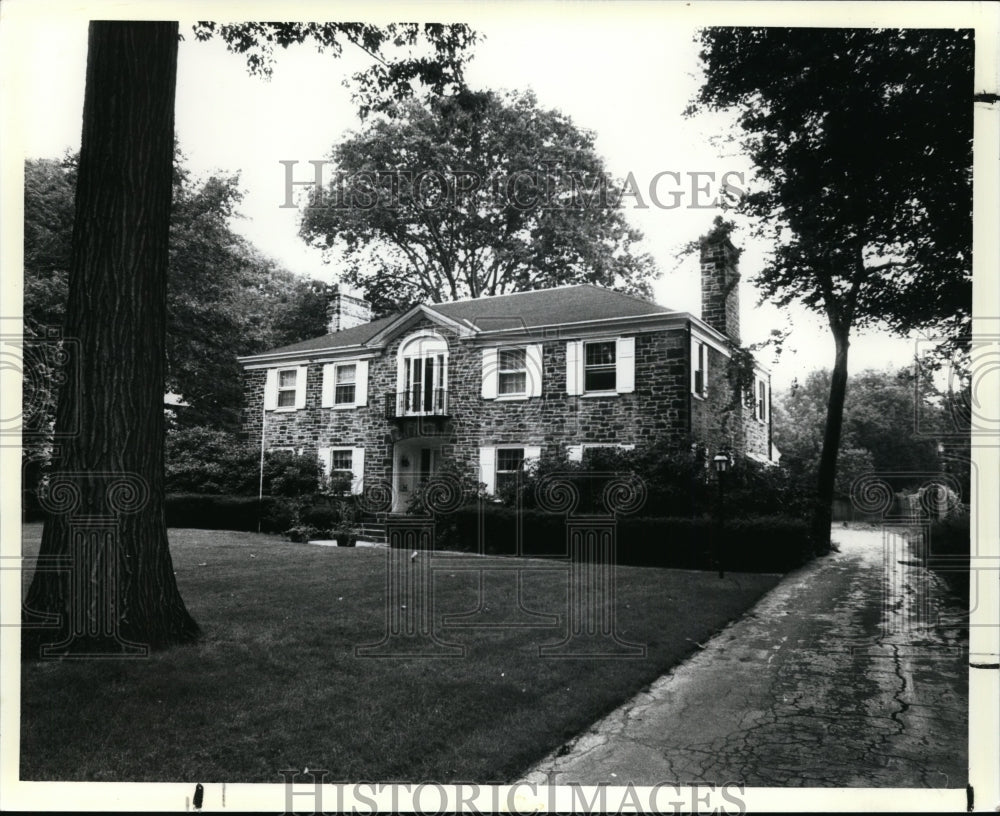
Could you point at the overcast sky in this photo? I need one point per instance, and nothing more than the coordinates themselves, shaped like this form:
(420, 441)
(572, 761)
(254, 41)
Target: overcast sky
(626, 76)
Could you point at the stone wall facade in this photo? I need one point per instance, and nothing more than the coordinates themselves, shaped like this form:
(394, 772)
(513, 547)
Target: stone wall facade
(660, 409)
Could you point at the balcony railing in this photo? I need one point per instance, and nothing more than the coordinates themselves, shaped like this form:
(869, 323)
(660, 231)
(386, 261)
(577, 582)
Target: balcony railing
(426, 403)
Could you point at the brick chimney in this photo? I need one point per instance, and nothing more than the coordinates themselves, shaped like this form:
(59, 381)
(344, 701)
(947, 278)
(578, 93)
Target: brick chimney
(346, 311)
(720, 278)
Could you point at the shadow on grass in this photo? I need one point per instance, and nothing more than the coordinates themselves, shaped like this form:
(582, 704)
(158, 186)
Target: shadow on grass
(275, 683)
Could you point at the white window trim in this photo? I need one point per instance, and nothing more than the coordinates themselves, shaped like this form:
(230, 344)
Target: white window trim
(533, 372)
(357, 464)
(515, 395)
(699, 354)
(330, 385)
(604, 392)
(272, 390)
(488, 460)
(761, 415)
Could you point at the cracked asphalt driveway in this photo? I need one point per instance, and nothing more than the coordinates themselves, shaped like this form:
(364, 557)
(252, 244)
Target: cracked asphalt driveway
(851, 672)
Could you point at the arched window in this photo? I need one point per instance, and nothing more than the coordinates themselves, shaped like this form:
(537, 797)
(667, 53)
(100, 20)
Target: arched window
(422, 378)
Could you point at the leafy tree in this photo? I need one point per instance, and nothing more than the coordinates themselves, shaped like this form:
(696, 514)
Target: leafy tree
(223, 297)
(470, 195)
(879, 426)
(117, 310)
(862, 141)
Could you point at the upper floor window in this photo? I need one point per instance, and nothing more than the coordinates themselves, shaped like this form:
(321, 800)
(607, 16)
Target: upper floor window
(512, 373)
(345, 385)
(761, 400)
(285, 388)
(699, 368)
(600, 367)
(422, 377)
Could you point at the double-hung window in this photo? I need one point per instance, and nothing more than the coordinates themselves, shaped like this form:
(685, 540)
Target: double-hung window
(286, 387)
(345, 384)
(342, 463)
(512, 375)
(510, 462)
(599, 365)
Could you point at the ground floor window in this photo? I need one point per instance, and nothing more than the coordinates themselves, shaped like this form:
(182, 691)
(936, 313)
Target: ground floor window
(510, 462)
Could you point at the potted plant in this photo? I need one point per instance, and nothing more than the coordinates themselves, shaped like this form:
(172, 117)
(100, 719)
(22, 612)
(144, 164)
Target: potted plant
(347, 528)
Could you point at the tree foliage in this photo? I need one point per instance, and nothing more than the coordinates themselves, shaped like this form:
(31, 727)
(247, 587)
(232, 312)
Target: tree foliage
(470, 195)
(429, 55)
(890, 419)
(862, 140)
(224, 298)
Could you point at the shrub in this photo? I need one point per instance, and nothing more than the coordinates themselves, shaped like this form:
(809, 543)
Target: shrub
(206, 460)
(210, 512)
(949, 550)
(290, 474)
(763, 544)
(678, 483)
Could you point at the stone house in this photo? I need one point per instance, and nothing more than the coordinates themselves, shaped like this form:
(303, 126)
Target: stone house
(498, 382)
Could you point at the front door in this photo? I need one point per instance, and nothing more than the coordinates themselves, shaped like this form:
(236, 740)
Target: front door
(415, 464)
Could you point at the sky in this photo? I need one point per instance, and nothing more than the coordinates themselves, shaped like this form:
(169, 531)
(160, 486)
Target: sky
(626, 77)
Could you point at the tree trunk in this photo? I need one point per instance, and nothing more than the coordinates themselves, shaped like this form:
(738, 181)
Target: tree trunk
(104, 584)
(823, 511)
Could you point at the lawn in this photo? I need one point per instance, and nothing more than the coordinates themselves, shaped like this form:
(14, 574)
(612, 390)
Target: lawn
(274, 683)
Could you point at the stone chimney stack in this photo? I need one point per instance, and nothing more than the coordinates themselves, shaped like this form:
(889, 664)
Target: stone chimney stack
(346, 311)
(720, 278)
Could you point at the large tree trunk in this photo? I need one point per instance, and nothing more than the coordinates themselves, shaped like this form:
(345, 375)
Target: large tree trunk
(823, 511)
(104, 583)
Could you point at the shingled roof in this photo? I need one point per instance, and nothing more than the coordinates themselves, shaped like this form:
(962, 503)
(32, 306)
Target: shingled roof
(541, 307)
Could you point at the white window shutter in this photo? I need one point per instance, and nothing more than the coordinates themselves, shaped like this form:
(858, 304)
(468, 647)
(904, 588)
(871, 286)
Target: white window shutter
(326, 394)
(574, 367)
(358, 470)
(361, 378)
(533, 364)
(490, 373)
(532, 455)
(704, 369)
(488, 468)
(625, 379)
(574, 453)
(695, 361)
(323, 454)
(300, 388)
(271, 389)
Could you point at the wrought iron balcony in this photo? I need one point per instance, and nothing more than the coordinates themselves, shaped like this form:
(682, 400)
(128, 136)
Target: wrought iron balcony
(424, 403)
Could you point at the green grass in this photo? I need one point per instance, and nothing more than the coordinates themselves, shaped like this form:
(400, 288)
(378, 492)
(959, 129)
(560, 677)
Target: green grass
(274, 682)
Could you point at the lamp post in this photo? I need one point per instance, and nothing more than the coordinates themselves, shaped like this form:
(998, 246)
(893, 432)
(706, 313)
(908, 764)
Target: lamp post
(722, 462)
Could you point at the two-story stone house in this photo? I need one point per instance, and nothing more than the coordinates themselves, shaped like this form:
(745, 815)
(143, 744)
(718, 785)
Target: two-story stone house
(498, 382)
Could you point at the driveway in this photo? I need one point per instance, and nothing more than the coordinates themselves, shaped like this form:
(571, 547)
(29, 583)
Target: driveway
(851, 672)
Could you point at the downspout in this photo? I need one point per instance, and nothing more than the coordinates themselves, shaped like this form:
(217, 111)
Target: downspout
(770, 420)
(690, 373)
(260, 490)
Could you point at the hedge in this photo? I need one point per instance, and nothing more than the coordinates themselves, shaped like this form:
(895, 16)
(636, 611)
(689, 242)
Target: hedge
(762, 544)
(949, 550)
(273, 515)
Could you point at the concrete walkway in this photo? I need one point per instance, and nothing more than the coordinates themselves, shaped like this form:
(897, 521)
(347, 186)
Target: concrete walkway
(851, 672)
